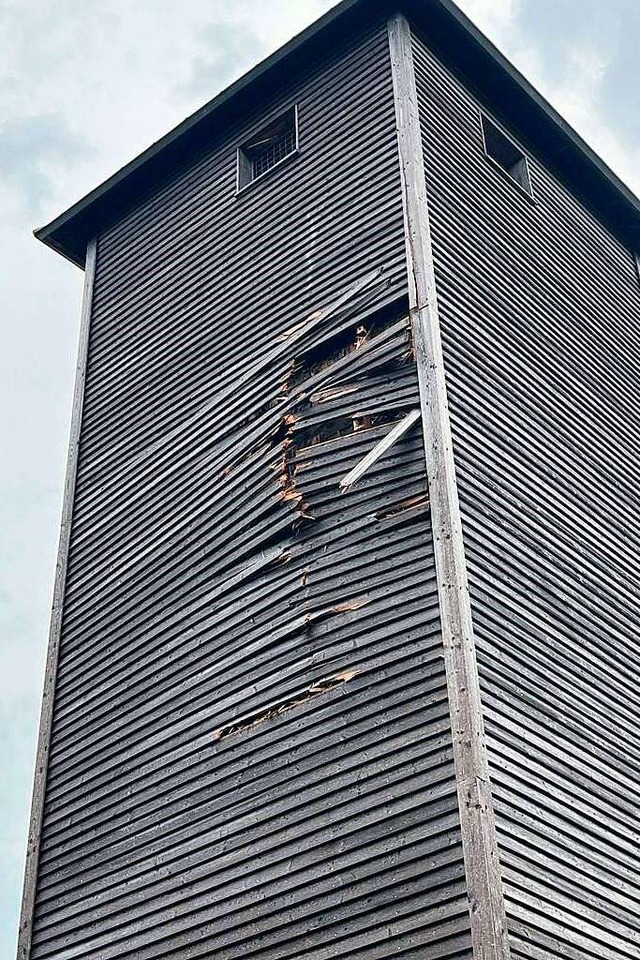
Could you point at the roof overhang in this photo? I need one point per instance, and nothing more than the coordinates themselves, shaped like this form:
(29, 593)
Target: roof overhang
(461, 46)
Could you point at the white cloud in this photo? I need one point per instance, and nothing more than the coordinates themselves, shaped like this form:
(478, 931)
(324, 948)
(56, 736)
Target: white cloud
(32, 149)
(496, 18)
(121, 74)
(578, 98)
(499, 20)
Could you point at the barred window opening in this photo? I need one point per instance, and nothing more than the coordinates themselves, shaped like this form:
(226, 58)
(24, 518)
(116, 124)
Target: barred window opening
(273, 144)
(506, 154)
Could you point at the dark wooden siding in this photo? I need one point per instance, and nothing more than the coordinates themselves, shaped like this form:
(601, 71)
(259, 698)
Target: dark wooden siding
(541, 321)
(251, 751)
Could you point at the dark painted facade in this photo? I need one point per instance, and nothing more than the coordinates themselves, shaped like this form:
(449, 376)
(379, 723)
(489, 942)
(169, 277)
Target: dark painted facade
(541, 351)
(265, 727)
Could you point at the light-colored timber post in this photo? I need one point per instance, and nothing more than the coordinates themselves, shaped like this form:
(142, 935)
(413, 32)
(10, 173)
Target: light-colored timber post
(484, 884)
(51, 667)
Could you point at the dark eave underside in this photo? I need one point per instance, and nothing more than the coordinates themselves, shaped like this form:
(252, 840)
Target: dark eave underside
(458, 43)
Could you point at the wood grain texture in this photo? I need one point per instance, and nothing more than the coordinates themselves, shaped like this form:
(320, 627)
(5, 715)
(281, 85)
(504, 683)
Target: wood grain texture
(539, 310)
(246, 353)
(51, 666)
(379, 450)
(488, 922)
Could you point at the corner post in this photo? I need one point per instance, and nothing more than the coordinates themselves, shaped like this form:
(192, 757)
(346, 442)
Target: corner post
(484, 883)
(51, 667)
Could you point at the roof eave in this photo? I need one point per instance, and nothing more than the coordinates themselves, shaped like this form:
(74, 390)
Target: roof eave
(460, 41)
(58, 233)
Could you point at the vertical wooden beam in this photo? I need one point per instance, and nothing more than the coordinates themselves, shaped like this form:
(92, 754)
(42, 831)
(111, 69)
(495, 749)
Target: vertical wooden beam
(46, 713)
(484, 883)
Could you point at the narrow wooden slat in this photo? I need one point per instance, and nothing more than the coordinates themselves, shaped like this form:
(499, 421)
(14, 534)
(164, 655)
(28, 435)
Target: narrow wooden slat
(379, 450)
(51, 667)
(488, 919)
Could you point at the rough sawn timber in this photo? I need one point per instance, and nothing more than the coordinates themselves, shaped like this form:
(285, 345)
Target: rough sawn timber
(51, 666)
(488, 919)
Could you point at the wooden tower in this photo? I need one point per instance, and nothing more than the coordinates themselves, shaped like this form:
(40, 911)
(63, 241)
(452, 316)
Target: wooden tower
(344, 647)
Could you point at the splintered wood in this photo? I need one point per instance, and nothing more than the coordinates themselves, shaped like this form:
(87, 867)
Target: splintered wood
(271, 712)
(379, 450)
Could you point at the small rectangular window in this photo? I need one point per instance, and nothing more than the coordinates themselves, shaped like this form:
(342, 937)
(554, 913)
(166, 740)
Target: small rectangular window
(506, 154)
(270, 146)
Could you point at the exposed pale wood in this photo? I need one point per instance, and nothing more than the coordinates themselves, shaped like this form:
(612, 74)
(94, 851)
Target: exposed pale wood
(46, 713)
(380, 449)
(487, 909)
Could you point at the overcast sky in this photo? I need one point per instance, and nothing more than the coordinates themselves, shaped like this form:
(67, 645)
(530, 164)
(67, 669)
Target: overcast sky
(84, 87)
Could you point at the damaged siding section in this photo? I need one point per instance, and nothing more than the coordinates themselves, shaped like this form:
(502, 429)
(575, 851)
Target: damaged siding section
(540, 308)
(251, 750)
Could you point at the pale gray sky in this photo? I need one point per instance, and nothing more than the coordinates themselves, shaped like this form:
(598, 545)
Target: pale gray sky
(84, 87)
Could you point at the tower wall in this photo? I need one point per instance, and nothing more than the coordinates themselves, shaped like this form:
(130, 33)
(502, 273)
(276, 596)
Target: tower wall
(251, 749)
(539, 306)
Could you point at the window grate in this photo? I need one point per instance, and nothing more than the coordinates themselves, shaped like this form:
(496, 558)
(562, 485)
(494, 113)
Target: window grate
(268, 148)
(277, 149)
(506, 154)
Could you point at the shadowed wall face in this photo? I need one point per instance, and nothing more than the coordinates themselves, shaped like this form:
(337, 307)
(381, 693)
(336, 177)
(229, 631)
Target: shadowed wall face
(251, 745)
(539, 306)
